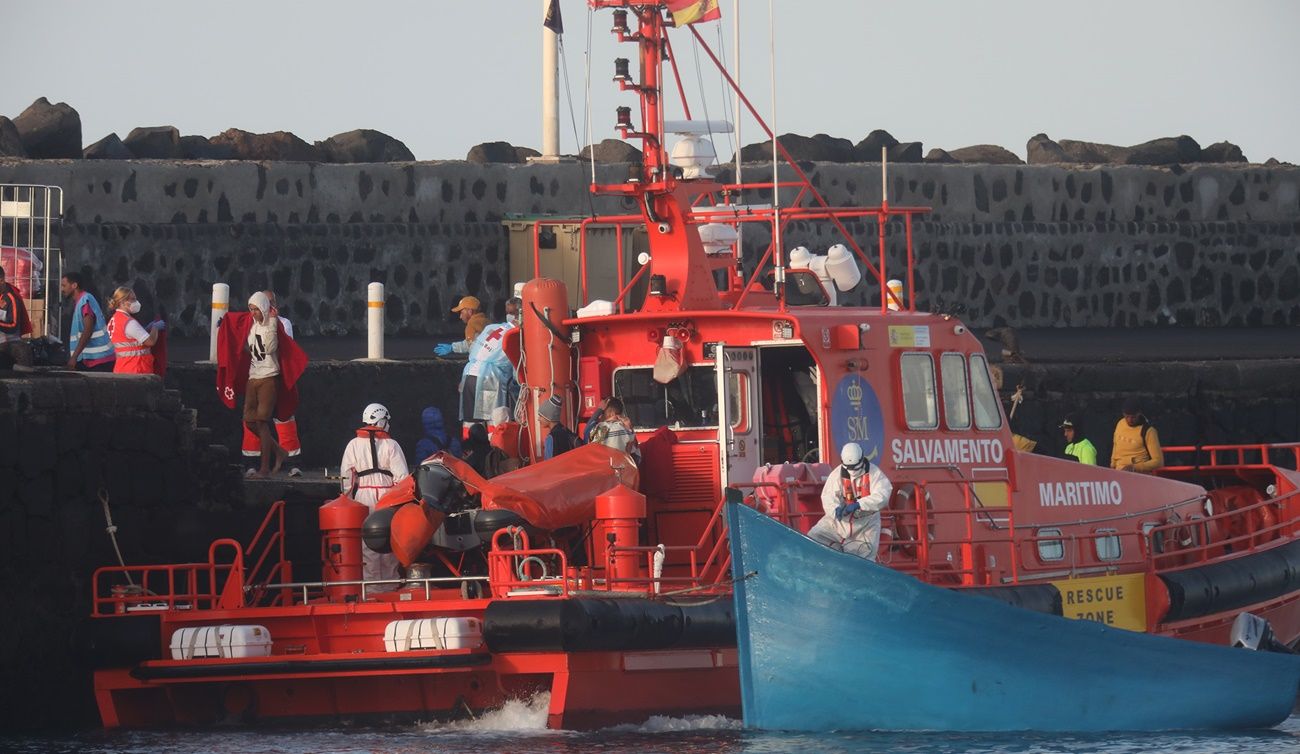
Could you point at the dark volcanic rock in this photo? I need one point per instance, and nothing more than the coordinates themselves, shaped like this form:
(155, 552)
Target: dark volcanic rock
(108, 148)
(818, 148)
(611, 150)
(494, 151)
(154, 142)
(278, 145)
(868, 150)
(1223, 151)
(364, 145)
(1090, 152)
(939, 155)
(906, 151)
(11, 144)
(200, 148)
(50, 131)
(986, 154)
(1168, 151)
(525, 152)
(1043, 151)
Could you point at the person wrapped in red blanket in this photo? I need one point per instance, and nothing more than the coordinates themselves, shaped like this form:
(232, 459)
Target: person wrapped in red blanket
(258, 360)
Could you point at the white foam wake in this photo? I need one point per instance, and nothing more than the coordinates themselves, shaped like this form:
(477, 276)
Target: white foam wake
(515, 716)
(663, 724)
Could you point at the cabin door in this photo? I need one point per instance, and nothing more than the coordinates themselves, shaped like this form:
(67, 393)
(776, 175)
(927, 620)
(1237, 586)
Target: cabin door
(738, 421)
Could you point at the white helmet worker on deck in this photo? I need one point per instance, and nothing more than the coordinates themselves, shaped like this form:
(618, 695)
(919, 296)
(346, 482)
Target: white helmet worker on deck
(375, 415)
(852, 498)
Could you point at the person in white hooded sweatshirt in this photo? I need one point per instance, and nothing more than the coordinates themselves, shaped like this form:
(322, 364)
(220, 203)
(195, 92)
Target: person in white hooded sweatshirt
(853, 497)
(372, 464)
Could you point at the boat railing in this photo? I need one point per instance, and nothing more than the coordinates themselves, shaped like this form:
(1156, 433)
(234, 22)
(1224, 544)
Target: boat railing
(1251, 454)
(266, 543)
(1228, 534)
(212, 585)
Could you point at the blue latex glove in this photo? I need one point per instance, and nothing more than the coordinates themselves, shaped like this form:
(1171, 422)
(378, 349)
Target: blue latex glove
(844, 511)
(442, 349)
(157, 324)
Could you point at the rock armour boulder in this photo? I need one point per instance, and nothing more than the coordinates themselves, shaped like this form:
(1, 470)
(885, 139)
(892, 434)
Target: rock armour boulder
(11, 143)
(1223, 151)
(50, 131)
(108, 148)
(364, 145)
(986, 154)
(494, 152)
(1041, 150)
(276, 146)
(154, 142)
(611, 150)
(1167, 151)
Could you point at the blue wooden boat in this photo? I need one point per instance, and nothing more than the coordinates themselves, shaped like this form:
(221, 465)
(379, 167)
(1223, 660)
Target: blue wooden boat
(828, 641)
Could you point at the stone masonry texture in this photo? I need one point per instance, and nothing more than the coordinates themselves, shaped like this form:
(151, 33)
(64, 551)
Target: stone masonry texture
(1004, 244)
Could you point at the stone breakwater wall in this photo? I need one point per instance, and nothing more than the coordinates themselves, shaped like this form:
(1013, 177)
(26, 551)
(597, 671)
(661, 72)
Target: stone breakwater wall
(66, 438)
(1026, 245)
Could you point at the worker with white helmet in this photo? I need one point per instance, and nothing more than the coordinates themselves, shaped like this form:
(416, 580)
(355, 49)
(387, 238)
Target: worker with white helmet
(853, 497)
(372, 463)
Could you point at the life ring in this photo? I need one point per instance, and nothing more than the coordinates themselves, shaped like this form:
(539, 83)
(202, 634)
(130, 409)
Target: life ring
(1249, 523)
(902, 517)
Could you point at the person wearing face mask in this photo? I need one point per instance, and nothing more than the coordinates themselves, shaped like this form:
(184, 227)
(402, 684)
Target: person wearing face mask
(132, 342)
(513, 309)
(853, 496)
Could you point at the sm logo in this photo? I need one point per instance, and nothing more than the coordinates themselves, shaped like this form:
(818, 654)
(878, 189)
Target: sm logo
(855, 417)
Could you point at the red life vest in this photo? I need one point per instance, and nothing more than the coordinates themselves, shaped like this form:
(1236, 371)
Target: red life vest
(374, 434)
(132, 357)
(851, 489)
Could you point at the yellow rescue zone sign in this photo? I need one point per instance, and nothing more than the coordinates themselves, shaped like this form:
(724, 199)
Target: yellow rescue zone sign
(1119, 601)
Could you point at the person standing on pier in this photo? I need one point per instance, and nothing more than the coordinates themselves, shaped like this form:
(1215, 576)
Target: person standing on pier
(471, 313)
(372, 464)
(132, 342)
(257, 360)
(286, 430)
(14, 324)
(92, 351)
(1137, 444)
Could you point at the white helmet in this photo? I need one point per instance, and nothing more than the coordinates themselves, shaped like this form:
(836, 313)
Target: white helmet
(852, 457)
(376, 414)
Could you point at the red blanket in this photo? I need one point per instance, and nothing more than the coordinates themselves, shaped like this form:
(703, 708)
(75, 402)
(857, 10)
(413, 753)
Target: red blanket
(233, 360)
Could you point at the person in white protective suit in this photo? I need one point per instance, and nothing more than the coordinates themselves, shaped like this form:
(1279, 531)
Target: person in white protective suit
(372, 463)
(853, 497)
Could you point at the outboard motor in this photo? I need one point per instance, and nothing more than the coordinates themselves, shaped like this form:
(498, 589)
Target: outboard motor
(1253, 632)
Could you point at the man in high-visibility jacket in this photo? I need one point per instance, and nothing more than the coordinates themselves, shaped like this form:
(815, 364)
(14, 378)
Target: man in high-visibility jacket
(1137, 444)
(853, 496)
(1077, 446)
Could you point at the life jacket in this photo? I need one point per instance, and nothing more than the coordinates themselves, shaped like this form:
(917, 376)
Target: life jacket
(132, 357)
(99, 346)
(374, 434)
(851, 488)
(14, 322)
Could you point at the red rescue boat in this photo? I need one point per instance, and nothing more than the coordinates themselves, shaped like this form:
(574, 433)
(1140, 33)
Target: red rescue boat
(604, 580)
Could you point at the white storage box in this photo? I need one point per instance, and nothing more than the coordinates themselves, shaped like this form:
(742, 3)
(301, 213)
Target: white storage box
(433, 633)
(597, 308)
(227, 641)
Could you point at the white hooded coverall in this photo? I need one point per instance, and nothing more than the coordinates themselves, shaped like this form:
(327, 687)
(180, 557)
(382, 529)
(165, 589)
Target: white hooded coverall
(858, 534)
(357, 457)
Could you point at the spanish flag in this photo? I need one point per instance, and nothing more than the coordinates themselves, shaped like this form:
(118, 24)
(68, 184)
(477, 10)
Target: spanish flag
(693, 11)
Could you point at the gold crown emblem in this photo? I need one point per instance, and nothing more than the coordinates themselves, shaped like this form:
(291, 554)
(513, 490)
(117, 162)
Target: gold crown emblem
(854, 394)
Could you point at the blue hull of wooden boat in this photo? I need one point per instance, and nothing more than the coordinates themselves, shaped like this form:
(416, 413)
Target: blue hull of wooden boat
(828, 641)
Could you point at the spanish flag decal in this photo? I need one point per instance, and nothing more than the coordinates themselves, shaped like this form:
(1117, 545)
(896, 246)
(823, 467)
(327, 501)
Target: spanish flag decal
(693, 11)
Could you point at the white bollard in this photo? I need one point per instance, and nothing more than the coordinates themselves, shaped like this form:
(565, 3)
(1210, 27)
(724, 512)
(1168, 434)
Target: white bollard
(375, 320)
(220, 305)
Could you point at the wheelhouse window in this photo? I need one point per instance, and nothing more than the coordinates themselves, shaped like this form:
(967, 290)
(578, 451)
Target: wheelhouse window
(1107, 544)
(737, 401)
(688, 402)
(956, 396)
(987, 413)
(920, 409)
(1049, 549)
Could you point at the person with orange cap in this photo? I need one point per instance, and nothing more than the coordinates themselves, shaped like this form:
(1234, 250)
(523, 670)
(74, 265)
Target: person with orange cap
(471, 313)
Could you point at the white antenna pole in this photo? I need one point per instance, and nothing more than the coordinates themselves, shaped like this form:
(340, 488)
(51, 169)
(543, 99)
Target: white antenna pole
(550, 90)
(776, 193)
(735, 44)
(884, 176)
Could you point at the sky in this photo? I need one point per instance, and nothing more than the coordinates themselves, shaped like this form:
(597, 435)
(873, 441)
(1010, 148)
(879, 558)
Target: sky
(444, 75)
